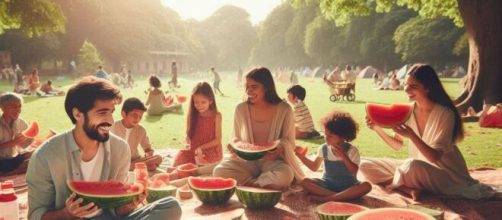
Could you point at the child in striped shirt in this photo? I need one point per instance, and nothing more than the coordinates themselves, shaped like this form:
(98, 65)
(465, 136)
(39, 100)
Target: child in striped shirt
(304, 126)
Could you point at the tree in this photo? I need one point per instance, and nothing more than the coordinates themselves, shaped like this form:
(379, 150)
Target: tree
(421, 39)
(482, 21)
(33, 17)
(88, 58)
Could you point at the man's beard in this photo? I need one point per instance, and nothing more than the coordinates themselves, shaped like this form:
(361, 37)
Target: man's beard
(93, 133)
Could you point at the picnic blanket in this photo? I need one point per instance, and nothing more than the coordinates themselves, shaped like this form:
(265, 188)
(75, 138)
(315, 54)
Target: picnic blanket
(295, 204)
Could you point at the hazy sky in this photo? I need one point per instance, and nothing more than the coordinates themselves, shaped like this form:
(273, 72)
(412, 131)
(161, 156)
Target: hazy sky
(201, 9)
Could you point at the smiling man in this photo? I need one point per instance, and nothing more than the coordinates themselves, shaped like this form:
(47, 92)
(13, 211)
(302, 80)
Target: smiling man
(89, 153)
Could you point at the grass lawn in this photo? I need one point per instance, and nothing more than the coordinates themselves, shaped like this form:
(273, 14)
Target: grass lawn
(481, 147)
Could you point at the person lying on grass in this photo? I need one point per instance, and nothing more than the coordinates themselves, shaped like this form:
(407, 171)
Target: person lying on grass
(341, 162)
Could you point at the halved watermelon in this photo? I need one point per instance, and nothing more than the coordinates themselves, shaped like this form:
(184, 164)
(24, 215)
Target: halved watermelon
(301, 150)
(391, 214)
(106, 194)
(156, 193)
(188, 169)
(388, 116)
(248, 151)
(32, 130)
(258, 198)
(212, 190)
(338, 210)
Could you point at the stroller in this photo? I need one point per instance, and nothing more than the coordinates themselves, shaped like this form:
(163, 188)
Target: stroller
(342, 90)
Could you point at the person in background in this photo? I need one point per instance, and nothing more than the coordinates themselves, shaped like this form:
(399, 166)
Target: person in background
(216, 82)
(304, 125)
(102, 74)
(156, 101)
(14, 151)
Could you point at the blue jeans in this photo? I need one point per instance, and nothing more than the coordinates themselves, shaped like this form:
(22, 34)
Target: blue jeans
(166, 208)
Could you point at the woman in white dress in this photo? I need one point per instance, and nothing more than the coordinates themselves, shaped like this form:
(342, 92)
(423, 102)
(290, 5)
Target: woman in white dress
(434, 164)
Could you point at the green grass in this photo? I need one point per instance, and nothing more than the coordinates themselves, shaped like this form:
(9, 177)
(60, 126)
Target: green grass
(481, 147)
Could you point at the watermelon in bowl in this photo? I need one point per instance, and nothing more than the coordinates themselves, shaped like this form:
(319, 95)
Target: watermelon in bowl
(391, 214)
(258, 198)
(248, 151)
(105, 194)
(188, 169)
(388, 116)
(338, 210)
(156, 193)
(212, 190)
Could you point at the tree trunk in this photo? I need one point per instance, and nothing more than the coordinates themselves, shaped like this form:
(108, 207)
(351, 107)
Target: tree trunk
(483, 24)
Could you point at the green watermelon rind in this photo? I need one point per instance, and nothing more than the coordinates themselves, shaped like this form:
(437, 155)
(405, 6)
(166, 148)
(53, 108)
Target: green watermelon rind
(155, 194)
(253, 154)
(104, 201)
(366, 212)
(388, 125)
(258, 200)
(213, 196)
(333, 216)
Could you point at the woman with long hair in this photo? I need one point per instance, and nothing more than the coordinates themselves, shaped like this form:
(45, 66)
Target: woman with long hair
(434, 164)
(263, 118)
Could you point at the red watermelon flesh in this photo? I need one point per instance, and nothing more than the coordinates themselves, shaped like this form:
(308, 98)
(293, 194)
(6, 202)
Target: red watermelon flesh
(161, 177)
(391, 214)
(103, 188)
(32, 130)
(184, 170)
(214, 183)
(181, 98)
(388, 116)
(339, 208)
(255, 151)
(301, 150)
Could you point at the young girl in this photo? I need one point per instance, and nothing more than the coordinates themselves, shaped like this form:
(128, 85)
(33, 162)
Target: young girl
(341, 162)
(203, 130)
(156, 101)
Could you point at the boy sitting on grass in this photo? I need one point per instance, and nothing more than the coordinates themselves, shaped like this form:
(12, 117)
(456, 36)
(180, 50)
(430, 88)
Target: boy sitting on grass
(131, 131)
(304, 126)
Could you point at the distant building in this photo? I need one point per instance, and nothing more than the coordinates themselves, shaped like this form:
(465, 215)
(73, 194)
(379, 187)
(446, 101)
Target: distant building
(158, 62)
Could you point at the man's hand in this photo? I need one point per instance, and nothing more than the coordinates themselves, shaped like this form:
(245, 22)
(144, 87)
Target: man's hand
(74, 210)
(128, 208)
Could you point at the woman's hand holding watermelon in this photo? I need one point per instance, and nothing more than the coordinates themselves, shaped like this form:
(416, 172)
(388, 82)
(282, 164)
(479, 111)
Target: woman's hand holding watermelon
(73, 208)
(273, 154)
(371, 125)
(404, 131)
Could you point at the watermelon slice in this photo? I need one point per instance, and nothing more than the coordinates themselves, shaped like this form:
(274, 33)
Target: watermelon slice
(258, 198)
(338, 210)
(181, 98)
(248, 151)
(185, 170)
(106, 194)
(32, 130)
(212, 190)
(388, 116)
(301, 150)
(391, 214)
(184, 192)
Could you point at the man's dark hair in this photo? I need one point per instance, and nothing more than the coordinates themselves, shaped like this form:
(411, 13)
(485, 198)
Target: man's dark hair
(341, 124)
(131, 104)
(298, 92)
(85, 92)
